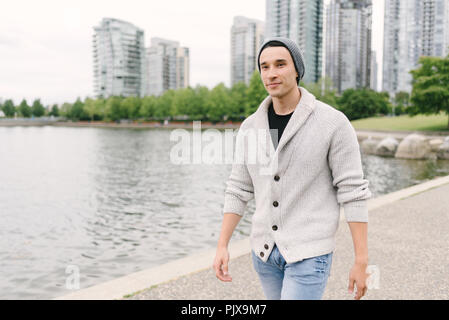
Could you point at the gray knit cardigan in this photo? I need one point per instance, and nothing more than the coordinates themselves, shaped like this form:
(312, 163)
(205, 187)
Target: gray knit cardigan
(298, 191)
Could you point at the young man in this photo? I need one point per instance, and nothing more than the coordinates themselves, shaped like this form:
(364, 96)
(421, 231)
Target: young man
(318, 168)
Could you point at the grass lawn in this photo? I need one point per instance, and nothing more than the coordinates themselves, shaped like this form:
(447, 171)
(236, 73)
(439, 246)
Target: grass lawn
(404, 123)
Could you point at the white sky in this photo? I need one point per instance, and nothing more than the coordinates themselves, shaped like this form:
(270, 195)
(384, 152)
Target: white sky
(46, 45)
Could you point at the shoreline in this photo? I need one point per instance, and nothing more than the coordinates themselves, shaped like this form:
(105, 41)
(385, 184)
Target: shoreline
(186, 125)
(123, 125)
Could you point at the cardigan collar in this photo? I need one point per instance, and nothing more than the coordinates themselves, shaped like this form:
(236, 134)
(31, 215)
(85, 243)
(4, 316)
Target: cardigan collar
(302, 111)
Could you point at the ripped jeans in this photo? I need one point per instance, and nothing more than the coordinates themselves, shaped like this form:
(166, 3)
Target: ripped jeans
(301, 280)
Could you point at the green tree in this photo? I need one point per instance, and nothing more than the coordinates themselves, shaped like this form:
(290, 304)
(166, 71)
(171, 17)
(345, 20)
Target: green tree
(256, 93)
(218, 102)
(323, 90)
(362, 103)
(401, 102)
(37, 109)
(100, 106)
(89, 108)
(24, 109)
(163, 107)
(402, 98)
(8, 108)
(130, 107)
(430, 87)
(65, 110)
(238, 103)
(147, 107)
(77, 111)
(54, 111)
(112, 108)
(199, 109)
(184, 102)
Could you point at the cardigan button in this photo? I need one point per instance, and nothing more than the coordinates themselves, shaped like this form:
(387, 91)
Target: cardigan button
(275, 227)
(275, 203)
(276, 178)
(261, 254)
(266, 246)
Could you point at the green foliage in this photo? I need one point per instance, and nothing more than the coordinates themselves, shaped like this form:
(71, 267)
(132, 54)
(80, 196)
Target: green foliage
(54, 111)
(37, 109)
(8, 108)
(24, 109)
(430, 91)
(89, 108)
(65, 110)
(77, 111)
(94, 109)
(183, 103)
(148, 107)
(113, 109)
(201, 97)
(164, 105)
(401, 103)
(362, 103)
(256, 93)
(238, 102)
(129, 108)
(323, 90)
(402, 98)
(218, 103)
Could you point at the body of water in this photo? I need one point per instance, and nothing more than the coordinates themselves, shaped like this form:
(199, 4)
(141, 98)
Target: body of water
(109, 202)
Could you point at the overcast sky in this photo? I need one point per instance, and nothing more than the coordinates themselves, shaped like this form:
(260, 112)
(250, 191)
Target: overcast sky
(46, 45)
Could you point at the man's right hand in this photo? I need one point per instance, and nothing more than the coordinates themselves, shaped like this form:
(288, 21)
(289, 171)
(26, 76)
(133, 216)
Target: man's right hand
(221, 264)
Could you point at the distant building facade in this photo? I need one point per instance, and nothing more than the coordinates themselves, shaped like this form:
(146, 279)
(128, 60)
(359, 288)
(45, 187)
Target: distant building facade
(374, 71)
(301, 21)
(412, 29)
(247, 35)
(167, 66)
(348, 43)
(119, 59)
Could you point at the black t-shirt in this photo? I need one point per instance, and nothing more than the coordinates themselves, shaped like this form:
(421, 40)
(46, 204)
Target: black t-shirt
(278, 122)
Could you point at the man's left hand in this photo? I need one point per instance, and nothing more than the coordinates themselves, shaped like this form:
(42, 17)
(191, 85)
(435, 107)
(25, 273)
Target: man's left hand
(358, 277)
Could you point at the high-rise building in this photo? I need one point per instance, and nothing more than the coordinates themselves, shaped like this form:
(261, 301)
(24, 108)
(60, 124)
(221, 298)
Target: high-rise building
(348, 43)
(167, 66)
(301, 21)
(247, 35)
(412, 29)
(119, 59)
(374, 70)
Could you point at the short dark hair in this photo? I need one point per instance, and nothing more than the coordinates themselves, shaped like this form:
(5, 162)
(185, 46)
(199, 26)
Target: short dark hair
(275, 43)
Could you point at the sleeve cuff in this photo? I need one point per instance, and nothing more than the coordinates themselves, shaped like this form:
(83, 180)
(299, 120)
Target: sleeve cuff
(233, 204)
(356, 211)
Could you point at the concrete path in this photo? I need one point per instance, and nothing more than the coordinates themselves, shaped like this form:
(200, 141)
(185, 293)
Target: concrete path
(408, 245)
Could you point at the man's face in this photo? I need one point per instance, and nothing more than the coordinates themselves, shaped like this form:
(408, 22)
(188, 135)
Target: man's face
(277, 71)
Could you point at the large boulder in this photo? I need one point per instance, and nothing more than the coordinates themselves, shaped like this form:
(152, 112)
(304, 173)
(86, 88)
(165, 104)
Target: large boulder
(414, 146)
(387, 147)
(435, 144)
(443, 150)
(369, 145)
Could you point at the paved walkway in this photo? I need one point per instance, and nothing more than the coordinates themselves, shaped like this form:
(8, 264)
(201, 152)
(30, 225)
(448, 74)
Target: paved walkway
(408, 243)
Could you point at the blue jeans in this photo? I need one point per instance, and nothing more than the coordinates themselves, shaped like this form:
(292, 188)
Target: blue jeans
(301, 280)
